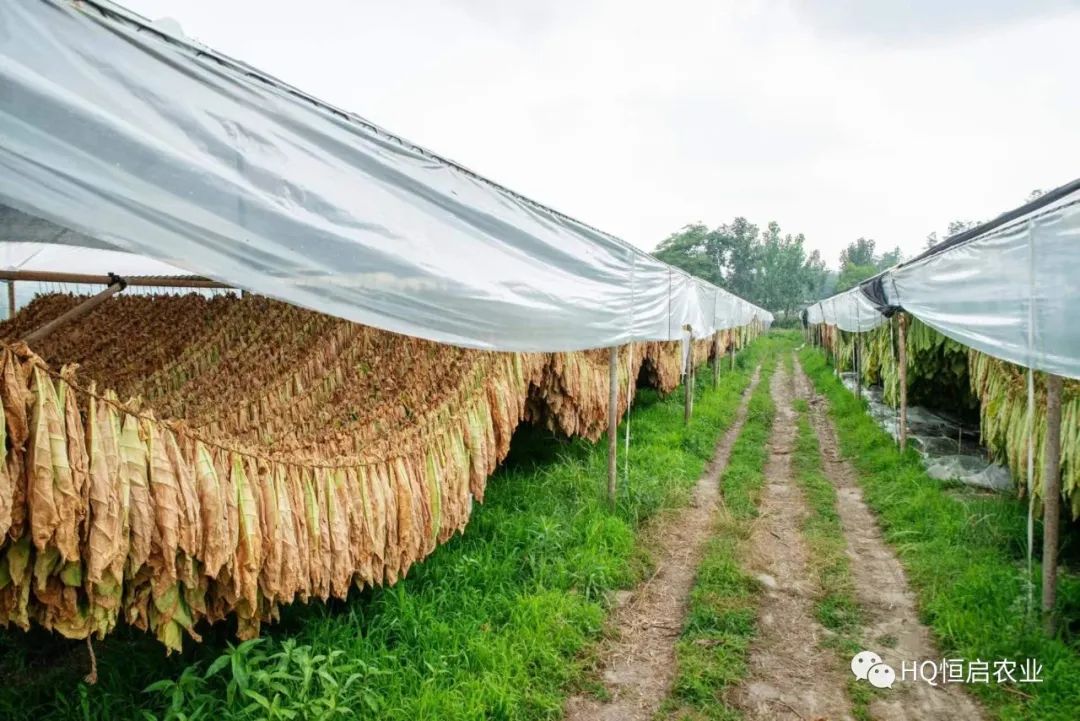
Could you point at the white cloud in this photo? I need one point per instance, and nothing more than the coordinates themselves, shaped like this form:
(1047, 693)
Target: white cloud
(641, 117)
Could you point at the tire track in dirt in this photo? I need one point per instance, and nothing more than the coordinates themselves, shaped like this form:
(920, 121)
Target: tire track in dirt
(639, 665)
(791, 675)
(882, 591)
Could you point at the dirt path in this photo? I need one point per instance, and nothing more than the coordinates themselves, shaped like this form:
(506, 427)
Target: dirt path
(639, 665)
(882, 590)
(791, 675)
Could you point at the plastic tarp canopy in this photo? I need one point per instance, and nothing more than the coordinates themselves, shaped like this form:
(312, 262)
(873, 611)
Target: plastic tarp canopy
(24, 256)
(850, 311)
(1007, 292)
(118, 134)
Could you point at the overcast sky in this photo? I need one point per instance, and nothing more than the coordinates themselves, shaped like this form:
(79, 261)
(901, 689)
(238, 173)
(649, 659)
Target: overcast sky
(835, 118)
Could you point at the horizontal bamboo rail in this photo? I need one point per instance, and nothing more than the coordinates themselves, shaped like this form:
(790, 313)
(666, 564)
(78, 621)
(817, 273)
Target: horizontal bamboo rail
(160, 281)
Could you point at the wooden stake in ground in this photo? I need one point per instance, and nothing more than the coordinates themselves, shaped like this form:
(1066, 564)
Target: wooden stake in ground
(613, 421)
(716, 360)
(688, 381)
(11, 298)
(859, 365)
(902, 353)
(1051, 500)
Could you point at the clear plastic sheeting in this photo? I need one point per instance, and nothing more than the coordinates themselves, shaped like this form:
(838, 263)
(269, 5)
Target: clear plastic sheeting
(949, 449)
(91, 261)
(119, 135)
(850, 311)
(1007, 293)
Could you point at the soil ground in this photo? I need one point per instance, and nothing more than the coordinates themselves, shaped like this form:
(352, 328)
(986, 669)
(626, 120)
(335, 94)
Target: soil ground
(791, 673)
(638, 667)
(883, 592)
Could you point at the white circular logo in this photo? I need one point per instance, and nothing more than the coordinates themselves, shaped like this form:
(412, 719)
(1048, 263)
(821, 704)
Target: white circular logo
(862, 662)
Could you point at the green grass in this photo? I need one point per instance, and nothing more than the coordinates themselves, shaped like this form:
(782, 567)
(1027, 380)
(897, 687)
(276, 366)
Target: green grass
(963, 552)
(836, 607)
(499, 623)
(721, 620)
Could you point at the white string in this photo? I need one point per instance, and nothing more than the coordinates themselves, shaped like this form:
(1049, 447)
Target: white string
(1030, 484)
(1031, 419)
(856, 352)
(893, 352)
(630, 371)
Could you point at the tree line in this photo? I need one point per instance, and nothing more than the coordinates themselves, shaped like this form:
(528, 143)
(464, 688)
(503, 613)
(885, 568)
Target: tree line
(765, 266)
(773, 269)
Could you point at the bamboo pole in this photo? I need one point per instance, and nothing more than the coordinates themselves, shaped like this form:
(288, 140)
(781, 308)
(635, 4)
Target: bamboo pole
(75, 313)
(688, 383)
(857, 350)
(716, 360)
(144, 280)
(902, 353)
(613, 421)
(11, 298)
(1051, 501)
(836, 353)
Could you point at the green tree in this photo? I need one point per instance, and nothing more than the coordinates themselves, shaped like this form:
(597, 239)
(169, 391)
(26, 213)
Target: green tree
(696, 250)
(817, 276)
(859, 261)
(888, 260)
(959, 226)
(769, 268)
(743, 243)
(859, 253)
(954, 227)
(852, 275)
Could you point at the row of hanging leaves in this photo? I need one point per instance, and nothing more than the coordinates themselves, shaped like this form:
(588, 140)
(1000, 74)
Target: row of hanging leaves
(110, 514)
(935, 362)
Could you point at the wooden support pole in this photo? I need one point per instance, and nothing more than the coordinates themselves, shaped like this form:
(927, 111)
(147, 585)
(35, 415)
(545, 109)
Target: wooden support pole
(716, 360)
(11, 299)
(902, 361)
(857, 351)
(75, 313)
(688, 383)
(613, 422)
(836, 353)
(1051, 501)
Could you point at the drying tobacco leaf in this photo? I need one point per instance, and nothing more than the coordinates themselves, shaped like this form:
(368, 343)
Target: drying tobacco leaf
(43, 513)
(358, 452)
(165, 501)
(133, 475)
